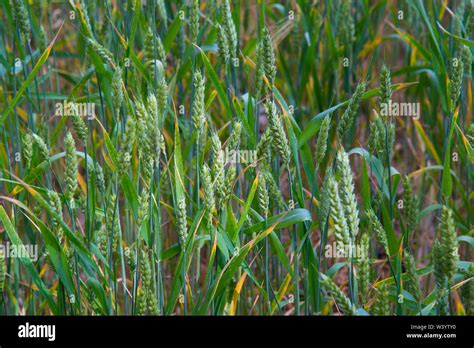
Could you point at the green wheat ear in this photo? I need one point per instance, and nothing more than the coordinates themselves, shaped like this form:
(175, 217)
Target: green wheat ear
(155, 137)
(154, 44)
(56, 204)
(448, 244)
(218, 174)
(162, 97)
(468, 290)
(263, 199)
(143, 206)
(181, 222)
(152, 108)
(279, 139)
(229, 28)
(85, 12)
(410, 206)
(199, 116)
(130, 256)
(101, 51)
(345, 123)
(444, 258)
(145, 152)
(341, 230)
(321, 143)
(268, 56)
(117, 92)
(162, 10)
(222, 44)
(346, 27)
(377, 227)
(440, 278)
(149, 45)
(374, 136)
(385, 86)
(194, 21)
(112, 224)
(229, 182)
(208, 189)
(264, 146)
(260, 67)
(363, 263)
(79, 127)
(124, 156)
(43, 148)
(147, 303)
(382, 133)
(382, 304)
(470, 15)
(27, 142)
(324, 200)
(455, 82)
(71, 168)
(413, 284)
(340, 298)
(346, 192)
(274, 191)
(99, 178)
(22, 20)
(233, 142)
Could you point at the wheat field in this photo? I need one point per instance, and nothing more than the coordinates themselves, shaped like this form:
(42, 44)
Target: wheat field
(236, 157)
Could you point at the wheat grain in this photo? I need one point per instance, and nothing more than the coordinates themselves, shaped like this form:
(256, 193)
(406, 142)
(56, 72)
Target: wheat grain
(279, 139)
(321, 144)
(346, 192)
(382, 305)
(194, 20)
(199, 116)
(223, 44)
(455, 82)
(347, 119)
(22, 20)
(268, 57)
(218, 174)
(340, 298)
(346, 27)
(208, 188)
(263, 200)
(181, 222)
(377, 227)
(341, 229)
(410, 206)
(71, 168)
(412, 277)
(79, 127)
(229, 28)
(27, 142)
(44, 150)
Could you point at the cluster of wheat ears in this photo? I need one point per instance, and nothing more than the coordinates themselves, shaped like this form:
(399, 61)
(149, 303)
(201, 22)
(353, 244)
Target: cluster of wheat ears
(137, 209)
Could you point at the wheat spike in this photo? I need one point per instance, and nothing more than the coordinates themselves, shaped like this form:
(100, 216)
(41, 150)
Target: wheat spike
(71, 168)
(346, 192)
(341, 229)
(341, 300)
(345, 123)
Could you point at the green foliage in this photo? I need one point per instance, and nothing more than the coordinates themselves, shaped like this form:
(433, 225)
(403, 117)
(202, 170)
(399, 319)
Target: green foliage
(214, 177)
